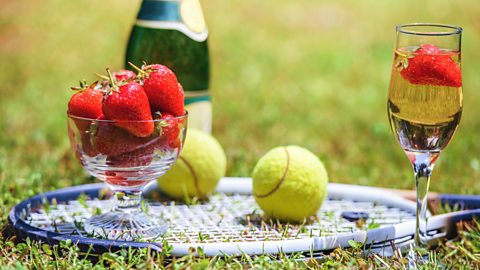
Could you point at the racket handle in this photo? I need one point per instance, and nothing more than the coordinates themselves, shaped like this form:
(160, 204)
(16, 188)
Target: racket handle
(411, 195)
(462, 201)
(433, 199)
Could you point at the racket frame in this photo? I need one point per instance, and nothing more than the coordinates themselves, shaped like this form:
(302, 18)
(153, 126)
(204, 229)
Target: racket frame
(377, 239)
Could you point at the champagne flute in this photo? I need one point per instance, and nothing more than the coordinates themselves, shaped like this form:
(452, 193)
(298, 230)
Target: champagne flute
(425, 101)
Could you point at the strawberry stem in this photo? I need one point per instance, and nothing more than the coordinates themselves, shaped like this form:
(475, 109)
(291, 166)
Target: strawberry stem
(140, 71)
(112, 81)
(102, 76)
(93, 85)
(83, 86)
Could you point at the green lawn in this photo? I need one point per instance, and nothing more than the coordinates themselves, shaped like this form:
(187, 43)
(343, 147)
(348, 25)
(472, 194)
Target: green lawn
(312, 73)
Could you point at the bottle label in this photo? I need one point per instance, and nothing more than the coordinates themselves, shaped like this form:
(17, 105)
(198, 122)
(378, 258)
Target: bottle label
(199, 109)
(196, 96)
(185, 16)
(192, 15)
(200, 115)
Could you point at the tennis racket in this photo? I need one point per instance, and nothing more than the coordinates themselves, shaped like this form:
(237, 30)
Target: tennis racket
(437, 201)
(231, 223)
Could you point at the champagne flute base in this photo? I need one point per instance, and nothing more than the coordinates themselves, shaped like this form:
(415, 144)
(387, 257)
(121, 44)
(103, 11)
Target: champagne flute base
(417, 257)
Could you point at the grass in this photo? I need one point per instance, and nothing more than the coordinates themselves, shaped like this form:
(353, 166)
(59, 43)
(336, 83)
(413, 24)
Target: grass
(312, 73)
(461, 254)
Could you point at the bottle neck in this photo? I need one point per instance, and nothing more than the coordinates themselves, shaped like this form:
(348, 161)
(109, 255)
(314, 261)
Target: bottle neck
(174, 15)
(160, 11)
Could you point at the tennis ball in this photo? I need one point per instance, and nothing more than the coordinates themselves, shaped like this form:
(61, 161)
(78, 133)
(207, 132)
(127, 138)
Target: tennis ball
(199, 167)
(289, 183)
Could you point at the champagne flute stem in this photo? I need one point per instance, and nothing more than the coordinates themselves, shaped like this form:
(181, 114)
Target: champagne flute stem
(423, 164)
(422, 183)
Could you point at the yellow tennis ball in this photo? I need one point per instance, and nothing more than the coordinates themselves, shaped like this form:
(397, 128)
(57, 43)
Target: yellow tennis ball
(199, 167)
(289, 183)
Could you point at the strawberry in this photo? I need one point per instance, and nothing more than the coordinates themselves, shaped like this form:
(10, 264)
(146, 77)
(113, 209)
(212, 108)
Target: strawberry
(87, 102)
(431, 66)
(111, 140)
(88, 147)
(124, 75)
(170, 128)
(84, 144)
(128, 106)
(163, 90)
(87, 144)
(140, 157)
(120, 178)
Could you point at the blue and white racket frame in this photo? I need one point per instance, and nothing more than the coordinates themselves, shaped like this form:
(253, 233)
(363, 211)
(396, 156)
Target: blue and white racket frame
(394, 233)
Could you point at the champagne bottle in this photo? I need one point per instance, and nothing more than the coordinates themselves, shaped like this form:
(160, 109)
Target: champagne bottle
(174, 33)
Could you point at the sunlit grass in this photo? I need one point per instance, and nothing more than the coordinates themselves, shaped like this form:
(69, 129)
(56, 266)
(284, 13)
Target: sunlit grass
(459, 254)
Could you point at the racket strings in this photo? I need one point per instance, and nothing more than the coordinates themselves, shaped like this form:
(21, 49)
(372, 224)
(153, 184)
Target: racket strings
(224, 218)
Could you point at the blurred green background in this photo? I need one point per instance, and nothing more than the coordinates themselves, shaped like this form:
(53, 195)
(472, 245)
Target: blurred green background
(312, 73)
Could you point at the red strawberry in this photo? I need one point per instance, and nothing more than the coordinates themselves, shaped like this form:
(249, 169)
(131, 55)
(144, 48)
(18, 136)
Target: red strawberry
(114, 141)
(139, 157)
(88, 147)
(428, 49)
(87, 102)
(128, 103)
(170, 127)
(87, 144)
(163, 90)
(84, 144)
(431, 66)
(119, 178)
(124, 75)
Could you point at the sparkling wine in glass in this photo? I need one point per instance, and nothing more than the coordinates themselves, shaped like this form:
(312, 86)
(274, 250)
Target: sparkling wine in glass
(425, 101)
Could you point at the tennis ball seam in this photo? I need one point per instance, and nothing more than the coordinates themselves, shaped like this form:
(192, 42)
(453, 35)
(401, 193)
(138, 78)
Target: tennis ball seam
(281, 180)
(195, 178)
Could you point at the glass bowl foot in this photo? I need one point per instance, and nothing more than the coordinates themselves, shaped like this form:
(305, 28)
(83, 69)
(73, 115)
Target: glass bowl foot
(125, 226)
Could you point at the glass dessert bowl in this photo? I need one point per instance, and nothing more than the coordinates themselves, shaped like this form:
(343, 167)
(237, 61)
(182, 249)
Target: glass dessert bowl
(127, 163)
